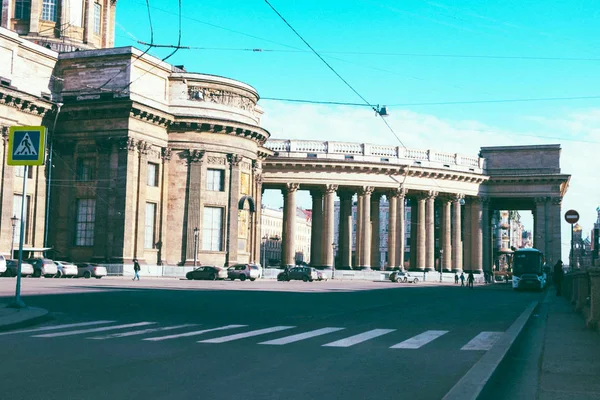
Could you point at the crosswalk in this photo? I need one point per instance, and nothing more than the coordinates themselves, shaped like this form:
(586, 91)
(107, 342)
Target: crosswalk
(281, 335)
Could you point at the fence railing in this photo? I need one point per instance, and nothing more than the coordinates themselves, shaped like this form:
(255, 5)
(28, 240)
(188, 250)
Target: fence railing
(582, 289)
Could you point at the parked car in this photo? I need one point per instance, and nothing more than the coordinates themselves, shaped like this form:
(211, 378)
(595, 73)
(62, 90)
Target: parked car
(65, 269)
(243, 272)
(321, 276)
(87, 270)
(2, 264)
(402, 276)
(306, 274)
(12, 265)
(43, 267)
(210, 273)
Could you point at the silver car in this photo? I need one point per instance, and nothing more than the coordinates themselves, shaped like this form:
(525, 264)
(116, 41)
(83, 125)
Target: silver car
(65, 269)
(402, 276)
(243, 272)
(87, 270)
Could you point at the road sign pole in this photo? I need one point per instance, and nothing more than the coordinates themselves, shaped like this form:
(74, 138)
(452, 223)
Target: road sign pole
(18, 302)
(572, 250)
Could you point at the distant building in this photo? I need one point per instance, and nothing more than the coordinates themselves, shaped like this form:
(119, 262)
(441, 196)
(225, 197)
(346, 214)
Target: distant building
(271, 234)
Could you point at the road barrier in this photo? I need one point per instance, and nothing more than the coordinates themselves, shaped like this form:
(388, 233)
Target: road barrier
(582, 290)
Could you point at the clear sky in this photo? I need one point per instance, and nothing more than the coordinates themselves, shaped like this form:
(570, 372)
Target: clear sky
(403, 54)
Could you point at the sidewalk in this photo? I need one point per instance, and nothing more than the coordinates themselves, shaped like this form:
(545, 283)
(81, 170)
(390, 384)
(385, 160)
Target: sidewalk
(570, 363)
(11, 318)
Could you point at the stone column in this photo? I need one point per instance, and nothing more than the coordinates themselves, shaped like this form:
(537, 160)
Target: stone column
(104, 189)
(365, 234)
(345, 229)
(447, 255)
(539, 224)
(289, 234)
(88, 21)
(467, 235)
(392, 228)
(486, 236)
(400, 228)
(235, 176)
(258, 179)
(477, 235)
(7, 14)
(375, 227)
(421, 232)
(6, 196)
(36, 14)
(430, 231)
(140, 212)
(414, 230)
(328, 225)
(457, 263)
(316, 253)
(166, 153)
(359, 227)
(554, 217)
(192, 204)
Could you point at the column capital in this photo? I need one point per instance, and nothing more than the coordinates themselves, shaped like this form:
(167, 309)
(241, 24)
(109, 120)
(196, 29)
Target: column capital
(540, 200)
(365, 190)
(194, 156)
(143, 147)
(330, 189)
(316, 192)
(557, 200)
(345, 193)
(104, 145)
(484, 200)
(291, 187)
(376, 196)
(234, 159)
(127, 143)
(457, 197)
(4, 132)
(166, 153)
(396, 192)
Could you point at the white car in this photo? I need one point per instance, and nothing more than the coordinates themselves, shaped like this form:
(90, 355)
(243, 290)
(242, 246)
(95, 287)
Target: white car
(2, 264)
(65, 269)
(402, 276)
(87, 270)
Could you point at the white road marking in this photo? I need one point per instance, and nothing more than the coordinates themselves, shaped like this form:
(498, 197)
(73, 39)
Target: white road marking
(140, 332)
(230, 338)
(420, 340)
(194, 333)
(302, 336)
(483, 341)
(362, 337)
(54, 327)
(105, 328)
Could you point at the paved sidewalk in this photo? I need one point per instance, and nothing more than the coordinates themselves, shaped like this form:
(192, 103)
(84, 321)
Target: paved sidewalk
(570, 363)
(11, 318)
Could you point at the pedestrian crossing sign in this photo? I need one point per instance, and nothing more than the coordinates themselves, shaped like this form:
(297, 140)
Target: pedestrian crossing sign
(26, 145)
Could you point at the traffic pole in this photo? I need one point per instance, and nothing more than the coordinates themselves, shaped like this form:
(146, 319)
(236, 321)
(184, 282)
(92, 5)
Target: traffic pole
(18, 302)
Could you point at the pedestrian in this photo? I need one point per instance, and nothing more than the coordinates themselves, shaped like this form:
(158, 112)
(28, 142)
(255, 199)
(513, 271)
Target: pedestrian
(456, 278)
(557, 276)
(462, 279)
(470, 280)
(136, 269)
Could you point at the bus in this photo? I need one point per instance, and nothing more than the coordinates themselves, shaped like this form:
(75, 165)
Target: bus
(528, 269)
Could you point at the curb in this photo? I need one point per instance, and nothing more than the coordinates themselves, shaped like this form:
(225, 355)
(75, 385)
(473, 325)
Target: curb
(471, 385)
(32, 316)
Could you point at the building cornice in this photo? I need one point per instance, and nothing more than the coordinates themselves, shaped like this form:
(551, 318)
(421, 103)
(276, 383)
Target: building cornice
(24, 102)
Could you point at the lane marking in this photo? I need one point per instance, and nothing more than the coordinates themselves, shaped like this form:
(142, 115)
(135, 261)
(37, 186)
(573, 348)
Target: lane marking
(483, 341)
(54, 327)
(140, 332)
(302, 336)
(105, 328)
(420, 340)
(194, 333)
(237, 336)
(361, 337)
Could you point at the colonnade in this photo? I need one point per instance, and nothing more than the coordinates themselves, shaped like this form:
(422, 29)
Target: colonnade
(460, 237)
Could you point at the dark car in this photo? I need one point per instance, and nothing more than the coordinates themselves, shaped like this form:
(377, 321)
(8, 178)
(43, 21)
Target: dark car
(43, 267)
(12, 265)
(210, 273)
(306, 274)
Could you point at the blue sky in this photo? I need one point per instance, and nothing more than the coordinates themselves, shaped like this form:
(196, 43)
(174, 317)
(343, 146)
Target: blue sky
(398, 54)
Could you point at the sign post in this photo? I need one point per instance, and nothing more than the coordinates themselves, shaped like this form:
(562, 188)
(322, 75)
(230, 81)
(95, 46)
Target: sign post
(26, 147)
(571, 217)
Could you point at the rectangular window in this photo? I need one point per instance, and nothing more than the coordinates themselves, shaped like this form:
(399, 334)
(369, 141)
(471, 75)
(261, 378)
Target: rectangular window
(97, 17)
(22, 9)
(149, 232)
(86, 220)
(17, 199)
(20, 171)
(75, 12)
(212, 229)
(86, 169)
(215, 180)
(152, 177)
(49, 10)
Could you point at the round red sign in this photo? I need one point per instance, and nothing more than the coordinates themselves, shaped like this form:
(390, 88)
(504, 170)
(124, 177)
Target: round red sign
(571, 216)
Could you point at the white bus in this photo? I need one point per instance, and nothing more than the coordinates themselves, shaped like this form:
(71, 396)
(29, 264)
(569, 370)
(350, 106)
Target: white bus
(528, 270)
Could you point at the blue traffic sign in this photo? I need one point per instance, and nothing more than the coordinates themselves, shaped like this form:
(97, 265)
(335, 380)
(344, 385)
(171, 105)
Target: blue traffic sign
(26, 145)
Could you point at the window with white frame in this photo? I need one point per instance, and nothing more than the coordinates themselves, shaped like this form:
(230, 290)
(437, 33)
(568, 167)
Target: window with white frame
(86, 221)
(215, 180)
(97, 18)
(149, 230)
(152, 176)
(22, 9)
(212, 229)
(20, 171)
(76, 12)
(17, 200)
(49, 10)
(86, 169)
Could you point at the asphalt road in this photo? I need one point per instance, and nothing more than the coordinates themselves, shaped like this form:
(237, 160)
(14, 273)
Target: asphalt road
(250, 340)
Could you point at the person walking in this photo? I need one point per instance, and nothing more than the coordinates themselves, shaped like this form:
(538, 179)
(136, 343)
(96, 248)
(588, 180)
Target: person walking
(470, 280)
(456, 278)
(557, 276)
(136, 269)
(462, 279)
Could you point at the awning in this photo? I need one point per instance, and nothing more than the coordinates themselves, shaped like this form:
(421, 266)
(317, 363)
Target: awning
(35, 249)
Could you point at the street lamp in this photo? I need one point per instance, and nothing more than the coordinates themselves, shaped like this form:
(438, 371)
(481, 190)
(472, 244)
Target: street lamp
(196, 232)
(441, 263)
(264, 253)
(333, 263)
(13, 221)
